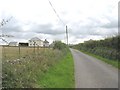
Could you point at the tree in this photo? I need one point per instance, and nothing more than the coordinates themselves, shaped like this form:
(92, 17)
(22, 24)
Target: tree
(3, 22)
(59, 45)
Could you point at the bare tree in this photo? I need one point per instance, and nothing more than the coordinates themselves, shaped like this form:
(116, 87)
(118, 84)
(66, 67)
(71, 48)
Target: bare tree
(3, 22)
(2, 36)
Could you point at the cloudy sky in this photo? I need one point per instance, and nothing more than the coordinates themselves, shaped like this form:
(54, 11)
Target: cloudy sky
(86, 19)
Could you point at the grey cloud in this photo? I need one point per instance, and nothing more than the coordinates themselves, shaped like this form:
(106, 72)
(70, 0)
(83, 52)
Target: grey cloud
(12, 29)
(16, 29)
(111, 25)
(47, 29)
(94, 27)
(12, 26)
(77, 30)
(81, 36)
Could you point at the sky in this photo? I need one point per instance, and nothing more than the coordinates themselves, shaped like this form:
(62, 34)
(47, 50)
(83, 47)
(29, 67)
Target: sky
(85, 19)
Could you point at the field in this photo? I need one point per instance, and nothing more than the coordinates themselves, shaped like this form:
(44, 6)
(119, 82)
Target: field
(12, 53)
(25, 67)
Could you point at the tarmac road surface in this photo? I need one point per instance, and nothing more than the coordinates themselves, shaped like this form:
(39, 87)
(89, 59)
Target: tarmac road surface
(93, 73)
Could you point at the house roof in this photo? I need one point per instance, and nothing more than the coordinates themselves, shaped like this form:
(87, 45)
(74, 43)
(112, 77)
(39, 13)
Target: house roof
(13, 42)
(46, 41)
(35, 39)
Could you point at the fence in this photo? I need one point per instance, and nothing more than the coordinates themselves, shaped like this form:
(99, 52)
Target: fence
(0, 67)
(17, 52)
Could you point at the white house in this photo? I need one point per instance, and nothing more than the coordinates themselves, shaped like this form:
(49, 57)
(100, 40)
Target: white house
(35, 42)
(13, 44)
(46, 43)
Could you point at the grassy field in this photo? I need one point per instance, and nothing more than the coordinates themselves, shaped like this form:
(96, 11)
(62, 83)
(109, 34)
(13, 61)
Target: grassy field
(12, 53)
(31, 69)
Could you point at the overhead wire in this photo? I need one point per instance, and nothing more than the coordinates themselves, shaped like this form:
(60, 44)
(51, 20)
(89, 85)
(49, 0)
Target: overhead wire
(4, 40)
(56, 12)
(59, 19)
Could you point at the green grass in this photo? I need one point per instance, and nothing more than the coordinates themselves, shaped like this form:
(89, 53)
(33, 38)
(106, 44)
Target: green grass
(61, 75)
(25, 73)
(111, 62)
(45, 68)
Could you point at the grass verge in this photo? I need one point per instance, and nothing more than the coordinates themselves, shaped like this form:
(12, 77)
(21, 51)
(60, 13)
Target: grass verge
(61, 75)
(111, 62)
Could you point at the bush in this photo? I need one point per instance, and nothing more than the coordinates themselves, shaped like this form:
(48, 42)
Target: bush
(26, 72)
(59, 45)
(108, 48)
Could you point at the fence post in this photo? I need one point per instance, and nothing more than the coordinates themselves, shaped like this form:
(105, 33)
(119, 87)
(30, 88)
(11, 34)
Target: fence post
(4, 53)
(34, 47)
(1, 67)
(38, 49)
(19, 51)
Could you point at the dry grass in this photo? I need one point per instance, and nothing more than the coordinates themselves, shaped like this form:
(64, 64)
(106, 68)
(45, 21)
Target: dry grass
(11, 53)
(24, 72)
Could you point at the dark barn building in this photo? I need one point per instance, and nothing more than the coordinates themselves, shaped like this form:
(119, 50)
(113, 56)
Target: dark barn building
(23, 44)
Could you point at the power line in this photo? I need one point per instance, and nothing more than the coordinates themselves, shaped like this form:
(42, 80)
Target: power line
(60, 20)
(56, 12)
(4, 40)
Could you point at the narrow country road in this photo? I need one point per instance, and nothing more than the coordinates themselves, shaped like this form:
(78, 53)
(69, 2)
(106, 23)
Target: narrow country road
(93, 73)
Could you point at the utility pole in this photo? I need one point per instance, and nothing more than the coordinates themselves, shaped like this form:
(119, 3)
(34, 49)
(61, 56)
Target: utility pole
(67, 34)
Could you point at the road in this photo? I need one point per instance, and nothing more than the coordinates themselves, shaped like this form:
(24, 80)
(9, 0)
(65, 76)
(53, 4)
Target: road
(93, 73)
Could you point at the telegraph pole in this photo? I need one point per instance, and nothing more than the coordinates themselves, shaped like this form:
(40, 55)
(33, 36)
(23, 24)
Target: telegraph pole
(67, 34)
